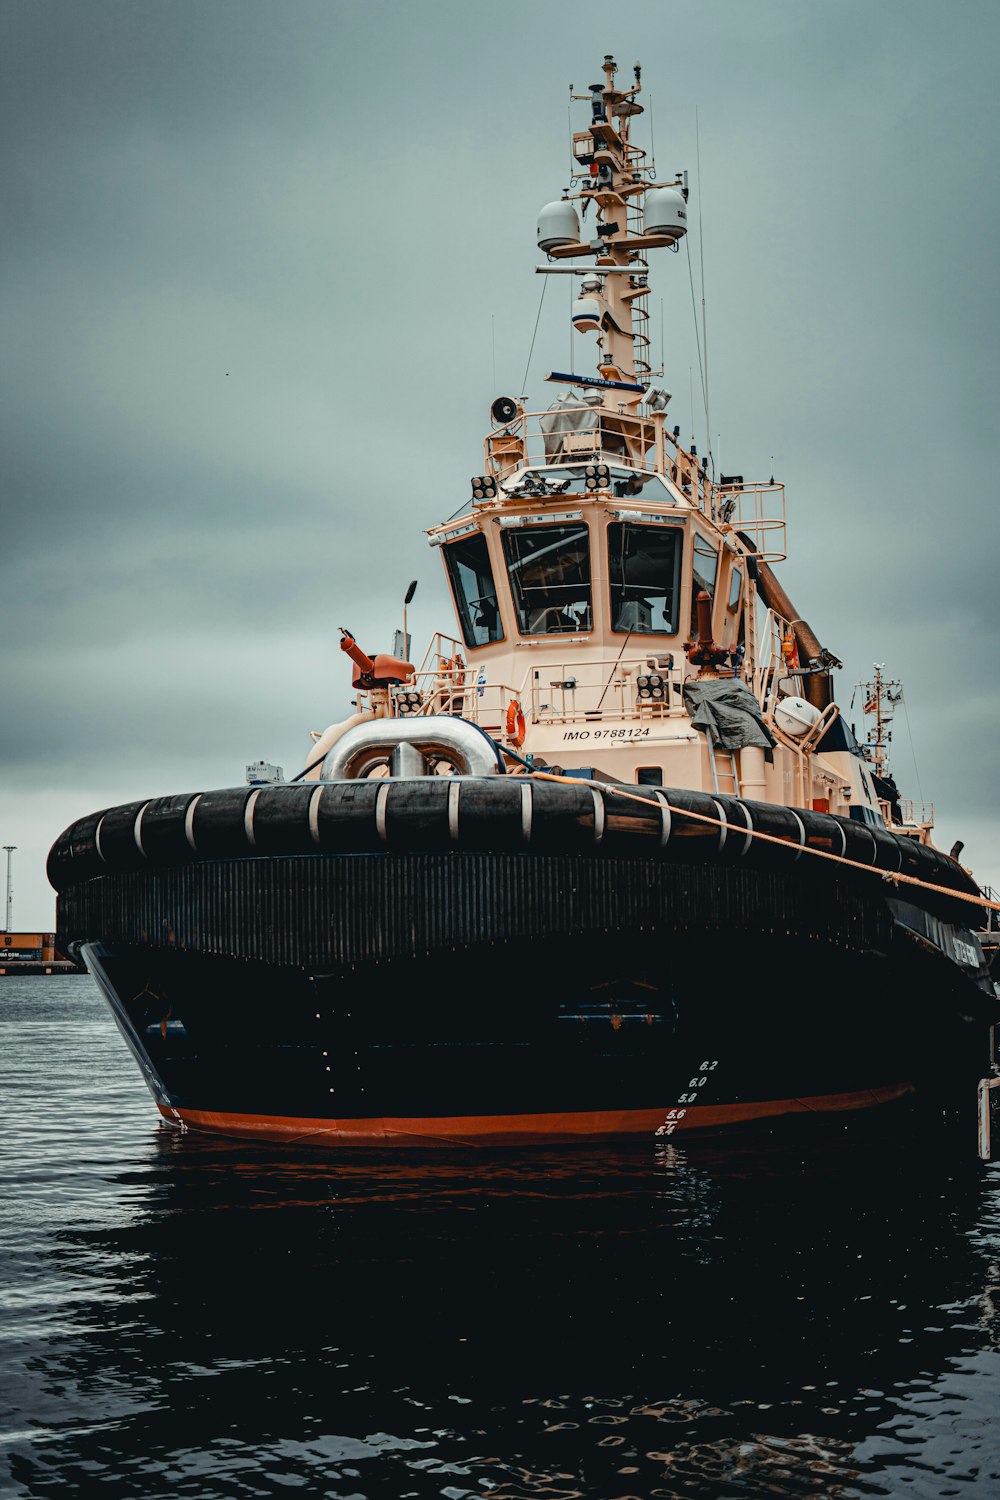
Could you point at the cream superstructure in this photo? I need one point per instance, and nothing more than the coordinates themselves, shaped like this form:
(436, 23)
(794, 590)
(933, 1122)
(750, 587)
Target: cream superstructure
(593, 532)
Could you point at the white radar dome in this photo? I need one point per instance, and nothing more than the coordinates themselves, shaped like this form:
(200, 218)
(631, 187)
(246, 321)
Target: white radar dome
(558, 225)
(665, 212)
(795, 716)
(586, 314)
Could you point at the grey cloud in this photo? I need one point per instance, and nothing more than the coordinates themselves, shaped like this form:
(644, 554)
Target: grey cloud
(334, 204)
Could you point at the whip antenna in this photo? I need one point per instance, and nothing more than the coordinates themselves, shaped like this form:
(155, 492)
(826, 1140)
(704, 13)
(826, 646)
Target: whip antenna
(701, 252)
(524, 382)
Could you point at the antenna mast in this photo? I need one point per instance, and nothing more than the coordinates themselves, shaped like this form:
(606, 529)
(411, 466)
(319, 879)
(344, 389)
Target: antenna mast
(879, 699)
(634, 214)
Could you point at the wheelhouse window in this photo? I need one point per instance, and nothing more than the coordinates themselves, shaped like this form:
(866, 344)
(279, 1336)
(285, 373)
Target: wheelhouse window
(735, 584)
(644, 571)
(475, 592)
(549, 570)
(704, 571)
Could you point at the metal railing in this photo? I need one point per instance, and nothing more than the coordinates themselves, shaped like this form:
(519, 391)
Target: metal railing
(570, 692)
(623, 437)
(769, 665)
(758, 512)
(632, 438)
(919, 813)
(594, 691)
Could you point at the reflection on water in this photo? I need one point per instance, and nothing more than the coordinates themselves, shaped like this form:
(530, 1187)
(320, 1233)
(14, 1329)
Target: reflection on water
(783, 1316)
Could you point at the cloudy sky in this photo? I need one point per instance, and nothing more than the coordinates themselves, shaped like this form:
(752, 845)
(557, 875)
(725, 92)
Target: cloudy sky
(255, 259)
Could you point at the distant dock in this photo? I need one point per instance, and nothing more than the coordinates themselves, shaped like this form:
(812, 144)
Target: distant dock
(34, 953)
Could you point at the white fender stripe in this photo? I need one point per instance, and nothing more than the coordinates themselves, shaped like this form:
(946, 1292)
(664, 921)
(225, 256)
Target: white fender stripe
(381, 796)
(748, 836)
(137, 829)
(661, 797)
(189, 822)
(873, 859)
(802, 833)
(723, 830)
(454, 792)
(97, 838)
(598, 814)
(248, 810)
(314, 802)
(526, 811)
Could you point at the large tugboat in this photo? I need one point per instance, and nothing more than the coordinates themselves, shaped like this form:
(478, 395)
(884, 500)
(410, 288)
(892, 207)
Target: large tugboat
(609, 862)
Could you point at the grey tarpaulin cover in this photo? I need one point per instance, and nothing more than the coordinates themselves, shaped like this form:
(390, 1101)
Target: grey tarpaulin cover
(727, 711)
(557, 421)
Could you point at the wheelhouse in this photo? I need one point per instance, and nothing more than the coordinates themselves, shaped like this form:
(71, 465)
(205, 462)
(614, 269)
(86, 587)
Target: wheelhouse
(555, 556)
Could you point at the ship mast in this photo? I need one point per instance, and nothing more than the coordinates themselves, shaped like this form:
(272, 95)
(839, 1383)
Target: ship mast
(879, 699)
(611, 176)
(634, 213)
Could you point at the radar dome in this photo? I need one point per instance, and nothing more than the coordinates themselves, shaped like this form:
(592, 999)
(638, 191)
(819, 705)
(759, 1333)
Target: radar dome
(665, 212)
(558, 225)
(586, 314)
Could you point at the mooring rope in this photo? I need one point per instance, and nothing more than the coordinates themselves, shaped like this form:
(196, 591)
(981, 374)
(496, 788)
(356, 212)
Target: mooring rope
(892, 877)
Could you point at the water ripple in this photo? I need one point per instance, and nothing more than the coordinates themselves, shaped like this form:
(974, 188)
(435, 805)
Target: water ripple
(789, 1316)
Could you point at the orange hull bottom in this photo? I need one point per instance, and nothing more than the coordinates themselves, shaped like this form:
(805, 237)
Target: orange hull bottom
(517, 1130)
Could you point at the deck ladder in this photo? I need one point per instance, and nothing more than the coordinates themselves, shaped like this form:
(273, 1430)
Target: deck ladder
(725, 778)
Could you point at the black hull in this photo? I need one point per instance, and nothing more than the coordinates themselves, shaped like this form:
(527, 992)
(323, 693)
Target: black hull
(479, 996)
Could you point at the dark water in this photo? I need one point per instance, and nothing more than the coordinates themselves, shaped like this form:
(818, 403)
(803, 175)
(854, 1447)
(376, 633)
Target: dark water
(792, 1317)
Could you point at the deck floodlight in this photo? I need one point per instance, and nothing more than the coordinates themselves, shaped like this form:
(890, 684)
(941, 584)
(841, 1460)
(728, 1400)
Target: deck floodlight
(651, 686)
(484, 487)
(597, 477)
(408, 701)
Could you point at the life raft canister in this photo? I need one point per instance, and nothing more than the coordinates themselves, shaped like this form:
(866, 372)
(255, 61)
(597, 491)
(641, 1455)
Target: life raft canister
(515, 724)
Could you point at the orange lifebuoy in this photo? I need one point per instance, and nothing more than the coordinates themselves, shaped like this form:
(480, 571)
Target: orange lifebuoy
(515, 723)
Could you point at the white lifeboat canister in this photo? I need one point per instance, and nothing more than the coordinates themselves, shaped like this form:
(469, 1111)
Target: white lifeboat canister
(795, 716)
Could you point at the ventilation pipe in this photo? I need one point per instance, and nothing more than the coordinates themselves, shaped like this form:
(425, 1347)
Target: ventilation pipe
(817, 684)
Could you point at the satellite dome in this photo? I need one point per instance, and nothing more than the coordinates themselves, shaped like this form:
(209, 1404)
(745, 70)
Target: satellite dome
(664, 212)
(586, 314)
(558, 225)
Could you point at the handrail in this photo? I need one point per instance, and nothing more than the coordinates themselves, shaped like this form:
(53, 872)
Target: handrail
(636, 437)
(570, 692)
(925, 819)
(626, 435)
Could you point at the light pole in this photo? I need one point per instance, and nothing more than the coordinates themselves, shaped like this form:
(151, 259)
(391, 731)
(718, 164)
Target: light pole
(9, 850)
